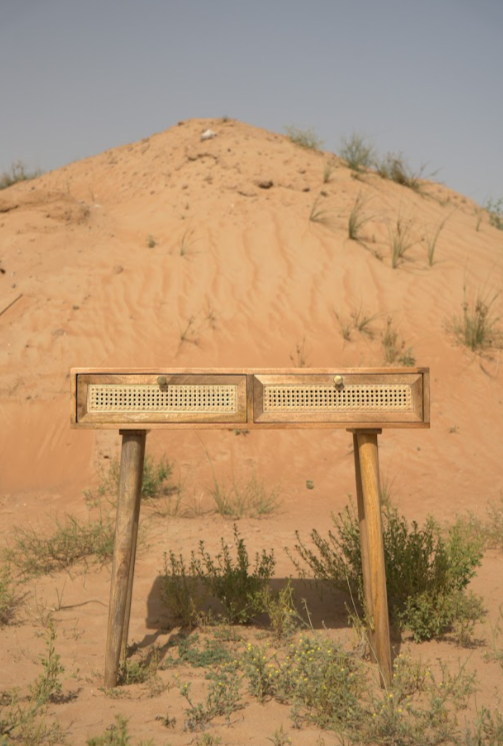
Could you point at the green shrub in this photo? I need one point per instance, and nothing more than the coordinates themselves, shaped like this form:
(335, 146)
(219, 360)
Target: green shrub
(230, 581)
(322, 682)
(426, 571)
(180, 591)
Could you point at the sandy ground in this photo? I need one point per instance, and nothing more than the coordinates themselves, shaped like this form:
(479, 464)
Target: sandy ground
(177, 252)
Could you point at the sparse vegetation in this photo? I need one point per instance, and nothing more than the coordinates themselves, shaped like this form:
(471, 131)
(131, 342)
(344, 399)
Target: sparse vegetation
(431, 238)
(494, 209)
(156, 480)
(230, 581)
(180, 591)
(237, 500)
(358, 153)
(320, 214)
(116, 734)
(328, 169)
(306, 138)
(427, 571)
(394, 348)
(9, 597)
(47, 687)
(299, 358)
(401, 240)
(18, 172)
(394, 167)
(224, 578)
(151, 242)
(357, 218)
(477, 328)
(186, 242)
(72, 541)
(196, 325)
(358, 320)
(23, 720)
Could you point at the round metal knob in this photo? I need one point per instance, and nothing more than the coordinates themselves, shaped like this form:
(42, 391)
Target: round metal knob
(162, 380)
(338, 380)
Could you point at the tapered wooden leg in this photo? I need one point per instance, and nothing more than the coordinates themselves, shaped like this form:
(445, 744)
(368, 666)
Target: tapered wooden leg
(369, 470)
(126, 529)
(364, 548)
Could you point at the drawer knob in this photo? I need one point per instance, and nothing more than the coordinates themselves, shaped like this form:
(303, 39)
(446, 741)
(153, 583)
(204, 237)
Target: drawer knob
(339, 382)
(162, 380)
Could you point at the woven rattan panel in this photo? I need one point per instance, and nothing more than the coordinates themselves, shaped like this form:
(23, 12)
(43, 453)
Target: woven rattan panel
(323, 398)
(171, 399)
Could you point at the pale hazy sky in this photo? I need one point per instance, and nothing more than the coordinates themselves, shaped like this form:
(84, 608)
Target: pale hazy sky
(421, 77)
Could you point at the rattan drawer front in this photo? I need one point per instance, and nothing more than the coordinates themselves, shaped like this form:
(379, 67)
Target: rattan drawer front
(141, 399)
(359, 398)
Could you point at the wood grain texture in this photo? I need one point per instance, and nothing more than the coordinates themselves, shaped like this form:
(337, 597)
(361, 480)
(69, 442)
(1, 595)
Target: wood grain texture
(126, 527)
(250, 409)
(364, 548)
(369, 470)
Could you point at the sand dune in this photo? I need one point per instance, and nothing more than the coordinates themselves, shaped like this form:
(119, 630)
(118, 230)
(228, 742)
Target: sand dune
(177, 252)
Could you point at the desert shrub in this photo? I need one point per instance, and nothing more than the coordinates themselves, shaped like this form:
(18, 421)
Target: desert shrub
(280, 607)
(322, 681)
(358, 153)
(18, 172)
(22, 719)
(230, 580)
(306, 138)
(32, 553)
(427, 571)
(186, 588)
(180, 591)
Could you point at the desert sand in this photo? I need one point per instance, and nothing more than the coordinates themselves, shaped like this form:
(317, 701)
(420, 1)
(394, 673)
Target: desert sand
(179, 252)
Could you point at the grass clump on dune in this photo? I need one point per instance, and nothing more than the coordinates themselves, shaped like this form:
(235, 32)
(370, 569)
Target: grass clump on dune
(357, 218)
(394, 167)
(401, 240)
(251, 499)
(306, 138)
(477, 327)
(358, 153)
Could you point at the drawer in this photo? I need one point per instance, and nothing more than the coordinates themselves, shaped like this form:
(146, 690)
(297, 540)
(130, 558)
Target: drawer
(342, 399)
(104, 399)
